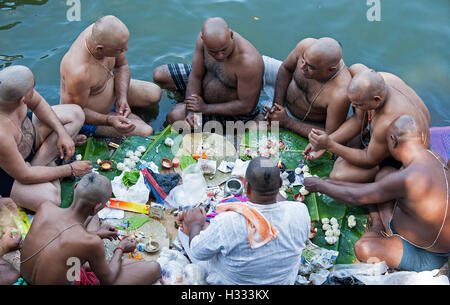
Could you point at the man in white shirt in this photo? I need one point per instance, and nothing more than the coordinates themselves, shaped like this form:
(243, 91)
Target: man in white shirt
(228, 248)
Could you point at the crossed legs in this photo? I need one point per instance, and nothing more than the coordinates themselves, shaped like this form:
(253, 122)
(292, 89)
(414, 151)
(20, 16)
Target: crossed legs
(32, 195)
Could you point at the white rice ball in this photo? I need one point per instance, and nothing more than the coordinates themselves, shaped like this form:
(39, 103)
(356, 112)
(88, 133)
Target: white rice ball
(129, 154)
(137, 153)
(141, 149)
(169, 142)
(326, 227)
(120, 166)
(298, 171)
(304, 191)
(325, 220)
(305, 168)
(333, 221)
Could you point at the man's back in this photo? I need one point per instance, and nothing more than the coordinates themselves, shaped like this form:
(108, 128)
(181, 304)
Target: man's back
(235, 262)
(49, 266)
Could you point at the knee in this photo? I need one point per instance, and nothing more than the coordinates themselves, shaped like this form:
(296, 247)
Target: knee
(147, 131)
(161, 74)
(77, 115)
(8, 275)
(174, 116)
(153, 270)
(364, 250)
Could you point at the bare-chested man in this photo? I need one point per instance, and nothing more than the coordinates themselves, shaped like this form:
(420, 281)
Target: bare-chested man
(411, 228)
(30, 144)
(378, 98)
(95, 75)
(311, 84)
(225, 81)
(58, 236)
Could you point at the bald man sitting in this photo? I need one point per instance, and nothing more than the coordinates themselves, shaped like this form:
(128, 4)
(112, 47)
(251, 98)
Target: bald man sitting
(378, 98)
(224, 81)
(310, 87)
(233, 252)
(60, 241)
(96, 76)
(410, 227)
(30, 144)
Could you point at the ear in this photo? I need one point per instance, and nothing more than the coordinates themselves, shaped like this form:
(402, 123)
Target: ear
(231, 34)
(377, 98)
(281, 182)
(248, 189)
(22, 100)
(394, 140)
(99, 48)
(332, 68)
(97, 208)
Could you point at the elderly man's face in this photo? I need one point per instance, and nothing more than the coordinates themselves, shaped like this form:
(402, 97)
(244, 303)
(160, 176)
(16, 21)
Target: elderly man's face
(220, 50)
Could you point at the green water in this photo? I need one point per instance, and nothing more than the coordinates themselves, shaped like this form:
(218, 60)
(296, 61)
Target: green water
(411, 40)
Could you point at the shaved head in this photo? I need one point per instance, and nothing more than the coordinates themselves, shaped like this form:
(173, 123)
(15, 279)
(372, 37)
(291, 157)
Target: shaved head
(15, 83)
(403, 130)
(326, 51)
(215, 30)
(366, 85)
(405, 127)
(263, 175)
(110, 31)
(92, 189)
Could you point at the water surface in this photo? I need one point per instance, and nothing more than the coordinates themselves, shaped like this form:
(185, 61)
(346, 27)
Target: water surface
(411, 40)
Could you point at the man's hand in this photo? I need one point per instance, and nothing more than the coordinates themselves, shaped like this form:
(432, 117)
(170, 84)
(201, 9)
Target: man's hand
(121, 124)
(277, 113)
(65, 144)
(11, 240)
(122, 108)
(309, 154)
(81, 168)
(191, 217)
(109, 232)
(193, 119)
(195, 103)
(128, 244)
(312, 184)
(319, 139)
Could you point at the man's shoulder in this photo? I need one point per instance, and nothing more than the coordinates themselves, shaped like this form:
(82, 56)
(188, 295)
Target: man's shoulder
(297, 208)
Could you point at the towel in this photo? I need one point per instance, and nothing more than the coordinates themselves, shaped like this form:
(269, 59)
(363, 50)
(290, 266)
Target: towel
(260, 231)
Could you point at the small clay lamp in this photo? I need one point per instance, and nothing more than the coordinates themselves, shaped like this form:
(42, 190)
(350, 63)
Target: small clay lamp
(166, 163)
(106, 165)
(299, 197)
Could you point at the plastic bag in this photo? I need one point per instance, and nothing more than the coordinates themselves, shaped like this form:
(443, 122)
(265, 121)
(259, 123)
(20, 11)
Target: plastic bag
(315, 258)
(194, 275)
(190, 192)
(319, 277)
(138, 193)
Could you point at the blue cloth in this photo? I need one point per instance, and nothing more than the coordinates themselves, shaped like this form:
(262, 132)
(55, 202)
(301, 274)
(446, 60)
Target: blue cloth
(89, 130)
(417, 259)
(20, 282)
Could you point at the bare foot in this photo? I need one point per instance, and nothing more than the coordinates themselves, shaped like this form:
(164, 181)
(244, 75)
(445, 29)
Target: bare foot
(80, 139)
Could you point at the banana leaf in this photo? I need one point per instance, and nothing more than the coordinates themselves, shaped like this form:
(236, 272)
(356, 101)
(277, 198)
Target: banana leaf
(157, 150)
(98, 149)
